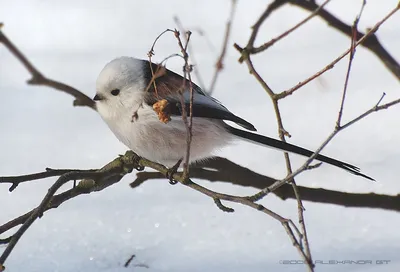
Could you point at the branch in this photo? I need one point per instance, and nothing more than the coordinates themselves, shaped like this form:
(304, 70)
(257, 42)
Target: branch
(246, 56)
(335, 61)
(111, 173)
(371, 42)
(39, 79)
(280, 183)
(267, 45)
(190, 51)
(16, 180)
(220, 169)
(220, 65)
(186, 78)
(94, 180)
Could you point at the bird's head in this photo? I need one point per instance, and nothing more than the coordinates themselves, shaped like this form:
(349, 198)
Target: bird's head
(118, 85)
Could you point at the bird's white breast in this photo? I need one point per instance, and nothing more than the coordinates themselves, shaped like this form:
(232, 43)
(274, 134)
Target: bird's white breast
(146, 135)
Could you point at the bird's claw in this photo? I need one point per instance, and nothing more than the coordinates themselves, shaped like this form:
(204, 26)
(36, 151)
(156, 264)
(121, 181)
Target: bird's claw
(172, 171)
(136, 164)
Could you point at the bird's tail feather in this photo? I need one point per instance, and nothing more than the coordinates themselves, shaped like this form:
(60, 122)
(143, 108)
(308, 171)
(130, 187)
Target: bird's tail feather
(294, 149)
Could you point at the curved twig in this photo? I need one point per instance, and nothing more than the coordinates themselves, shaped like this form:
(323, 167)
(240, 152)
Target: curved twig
(39, 79)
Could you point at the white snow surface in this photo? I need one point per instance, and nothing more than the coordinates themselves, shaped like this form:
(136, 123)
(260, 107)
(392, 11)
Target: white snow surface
(173, 228)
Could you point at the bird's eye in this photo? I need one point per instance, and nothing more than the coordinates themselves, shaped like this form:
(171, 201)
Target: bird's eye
(115, 92)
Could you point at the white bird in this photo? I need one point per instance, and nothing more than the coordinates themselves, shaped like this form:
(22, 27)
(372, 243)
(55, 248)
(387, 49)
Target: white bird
(125, 97)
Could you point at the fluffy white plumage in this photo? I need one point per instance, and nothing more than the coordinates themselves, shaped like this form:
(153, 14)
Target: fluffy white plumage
(137, 125)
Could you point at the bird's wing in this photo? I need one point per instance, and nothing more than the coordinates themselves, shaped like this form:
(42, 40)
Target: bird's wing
(167, 85)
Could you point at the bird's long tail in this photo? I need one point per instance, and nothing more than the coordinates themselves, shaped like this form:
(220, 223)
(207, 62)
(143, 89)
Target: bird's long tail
(270, 142)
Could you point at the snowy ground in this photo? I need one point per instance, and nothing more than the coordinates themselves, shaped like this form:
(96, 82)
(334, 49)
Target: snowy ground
(172, 228)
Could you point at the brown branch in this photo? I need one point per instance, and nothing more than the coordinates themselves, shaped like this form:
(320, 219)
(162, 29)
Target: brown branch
(182, 29)
(94, 180)
(268, 11)
(280, 183)
(371, 42)
(224, 170)
(39, 79)
(267, 45)
(287, 224)
(112, 173)
(16, 180)
(220, 65)
(38, 212)
(245, 56)
(335, 61)
(351, 58)
(186, 78)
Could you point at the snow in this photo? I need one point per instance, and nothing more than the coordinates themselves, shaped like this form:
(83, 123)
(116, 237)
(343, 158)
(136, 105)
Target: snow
(173, 228)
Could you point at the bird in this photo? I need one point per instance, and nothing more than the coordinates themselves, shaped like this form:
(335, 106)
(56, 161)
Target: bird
(128, 93)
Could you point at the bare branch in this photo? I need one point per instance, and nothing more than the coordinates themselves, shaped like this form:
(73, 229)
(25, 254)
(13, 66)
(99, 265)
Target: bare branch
(182, 29)
(221, 169)
(16, 180)
(267, 45)
(186, 77)
(351, 57)
(371, 42)
(39, 79)
(220, 65)
(333, 63)
(278, 184)
(114, 171)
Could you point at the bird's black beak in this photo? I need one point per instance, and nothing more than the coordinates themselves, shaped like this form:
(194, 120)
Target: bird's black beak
(97, 97)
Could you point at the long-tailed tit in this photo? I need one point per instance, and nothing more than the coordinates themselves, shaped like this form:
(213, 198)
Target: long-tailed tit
(125, 97)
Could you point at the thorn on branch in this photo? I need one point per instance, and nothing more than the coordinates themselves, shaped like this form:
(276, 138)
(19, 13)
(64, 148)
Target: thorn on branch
(313, 166)
(13, 186)
(222, 207)
(176, 33)
(285, 132)
(219, 65)
(380, 99)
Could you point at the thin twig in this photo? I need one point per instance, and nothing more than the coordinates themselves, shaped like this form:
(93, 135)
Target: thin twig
(150, 54)
(120, 167)
(333, 63)
(186, 78)
(37, 212)
(39, 79)
(190, 50)
(267, 45)
(221, 169)
(351, 57)
(268, 11)
(371, 43)
(245, 56)
(279, 183)
(219, 65)
(16, 180)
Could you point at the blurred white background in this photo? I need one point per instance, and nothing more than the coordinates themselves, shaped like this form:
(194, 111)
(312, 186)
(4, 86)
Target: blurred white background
(172, 228)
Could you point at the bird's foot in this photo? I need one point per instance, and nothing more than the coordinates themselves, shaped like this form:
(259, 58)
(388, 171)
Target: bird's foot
(172, 171)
